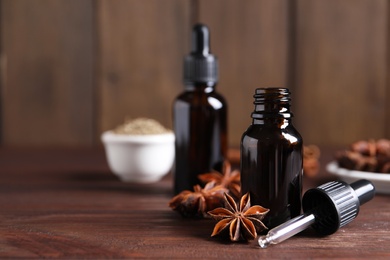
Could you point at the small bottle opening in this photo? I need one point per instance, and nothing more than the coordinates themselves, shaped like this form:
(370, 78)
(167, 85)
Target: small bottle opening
(272, 103)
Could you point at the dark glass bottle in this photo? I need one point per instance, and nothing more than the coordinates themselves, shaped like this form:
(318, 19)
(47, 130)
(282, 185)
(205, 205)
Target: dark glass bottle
(271, 157)
(199, 116)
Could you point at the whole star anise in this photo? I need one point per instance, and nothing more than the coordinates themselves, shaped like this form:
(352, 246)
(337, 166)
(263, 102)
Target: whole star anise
(243, 222)
(228, 178)
(196, 203)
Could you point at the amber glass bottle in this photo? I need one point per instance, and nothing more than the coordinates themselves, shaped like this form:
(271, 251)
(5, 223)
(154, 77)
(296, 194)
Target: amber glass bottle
(199, 116)
(271, 157)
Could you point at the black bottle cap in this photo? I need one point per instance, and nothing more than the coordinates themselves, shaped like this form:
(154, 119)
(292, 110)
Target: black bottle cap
(336, 203)
(200, 66)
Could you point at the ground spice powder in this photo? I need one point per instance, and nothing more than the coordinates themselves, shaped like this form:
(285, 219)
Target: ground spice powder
(141, 126)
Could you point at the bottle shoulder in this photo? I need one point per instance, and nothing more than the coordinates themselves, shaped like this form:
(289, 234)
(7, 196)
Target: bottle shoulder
(200, 92)
(271, 132)
(200, 98)
(272, 128)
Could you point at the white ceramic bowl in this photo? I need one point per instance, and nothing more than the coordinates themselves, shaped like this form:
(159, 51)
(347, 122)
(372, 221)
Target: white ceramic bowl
(139, 158)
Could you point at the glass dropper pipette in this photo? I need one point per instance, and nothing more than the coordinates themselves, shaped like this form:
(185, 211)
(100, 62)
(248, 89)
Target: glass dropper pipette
(327, 208)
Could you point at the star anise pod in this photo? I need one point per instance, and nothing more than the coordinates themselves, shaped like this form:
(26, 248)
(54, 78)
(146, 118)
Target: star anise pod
(228, 178)
(196, 203)
(243, 222)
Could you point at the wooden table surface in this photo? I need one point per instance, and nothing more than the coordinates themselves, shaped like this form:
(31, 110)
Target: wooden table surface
(65, 203)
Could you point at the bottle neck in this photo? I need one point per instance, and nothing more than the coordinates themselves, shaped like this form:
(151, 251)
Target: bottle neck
(272, 105)
(203, 87)
(279, 122)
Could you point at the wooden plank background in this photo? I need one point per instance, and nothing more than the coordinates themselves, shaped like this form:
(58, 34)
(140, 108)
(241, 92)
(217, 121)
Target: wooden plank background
(71, 69)
(47, 91)
(341, 69)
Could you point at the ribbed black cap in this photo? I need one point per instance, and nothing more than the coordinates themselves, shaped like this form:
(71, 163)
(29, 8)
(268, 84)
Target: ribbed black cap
(336, 203)
(200, 66)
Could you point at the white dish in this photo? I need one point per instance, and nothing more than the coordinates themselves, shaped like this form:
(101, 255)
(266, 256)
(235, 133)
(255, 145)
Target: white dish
(381, 181)
(139, 158)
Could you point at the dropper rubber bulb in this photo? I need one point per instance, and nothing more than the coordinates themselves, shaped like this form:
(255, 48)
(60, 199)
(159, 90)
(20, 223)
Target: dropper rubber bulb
(200, 65)
(200, 40)
(327, 208)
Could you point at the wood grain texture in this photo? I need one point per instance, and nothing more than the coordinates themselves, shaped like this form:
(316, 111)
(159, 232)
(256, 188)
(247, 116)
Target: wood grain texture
(47, 95)
(387, 120)
(72, 69)
(64, 203)
(141, 49)
(251, 41)
(341, 68)
(2, 76)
